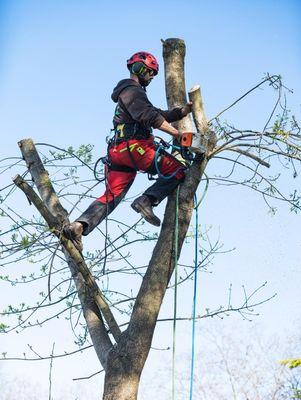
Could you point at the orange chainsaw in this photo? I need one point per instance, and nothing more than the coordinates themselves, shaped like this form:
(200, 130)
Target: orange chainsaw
(192, 141)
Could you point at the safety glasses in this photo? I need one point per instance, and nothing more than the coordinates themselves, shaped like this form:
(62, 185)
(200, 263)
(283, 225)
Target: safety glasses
(151, 72)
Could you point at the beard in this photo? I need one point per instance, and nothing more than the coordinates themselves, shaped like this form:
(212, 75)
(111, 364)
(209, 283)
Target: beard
(143, 81)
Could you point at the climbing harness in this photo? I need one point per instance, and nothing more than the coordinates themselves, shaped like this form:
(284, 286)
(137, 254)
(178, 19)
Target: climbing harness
(113, 167)
(162, 146)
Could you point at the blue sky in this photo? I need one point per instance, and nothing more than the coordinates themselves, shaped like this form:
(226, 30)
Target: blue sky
(59, 61)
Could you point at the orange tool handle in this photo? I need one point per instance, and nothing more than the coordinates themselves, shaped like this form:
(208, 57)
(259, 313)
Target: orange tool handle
(186, 139)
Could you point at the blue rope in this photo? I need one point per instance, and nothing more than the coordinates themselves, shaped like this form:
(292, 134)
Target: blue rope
(176, 238)
(195, 275)
(194, 300)
(160, 175)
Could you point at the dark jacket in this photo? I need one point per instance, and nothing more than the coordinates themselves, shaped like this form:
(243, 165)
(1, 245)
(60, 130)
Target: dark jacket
(134, 107)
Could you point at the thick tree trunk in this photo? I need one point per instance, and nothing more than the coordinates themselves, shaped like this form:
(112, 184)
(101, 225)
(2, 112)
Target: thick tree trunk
(124, 387)
(121, 384)
(123, 370)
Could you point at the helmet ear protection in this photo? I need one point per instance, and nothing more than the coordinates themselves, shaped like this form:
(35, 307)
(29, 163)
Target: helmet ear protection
(143, 60)
(138, 68)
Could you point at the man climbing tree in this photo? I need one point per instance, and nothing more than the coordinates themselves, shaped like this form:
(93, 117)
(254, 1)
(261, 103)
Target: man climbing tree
(133, 149)
(123, 347)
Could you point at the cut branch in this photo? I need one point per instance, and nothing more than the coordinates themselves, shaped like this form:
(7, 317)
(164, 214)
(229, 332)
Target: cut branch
(208, 137)
(92, 300)
(73, 253)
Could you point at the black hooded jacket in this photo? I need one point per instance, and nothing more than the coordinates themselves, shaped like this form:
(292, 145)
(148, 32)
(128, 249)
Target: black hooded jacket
(134, 107)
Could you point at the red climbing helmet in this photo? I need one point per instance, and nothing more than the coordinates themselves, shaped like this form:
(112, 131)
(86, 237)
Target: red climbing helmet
(146, 58)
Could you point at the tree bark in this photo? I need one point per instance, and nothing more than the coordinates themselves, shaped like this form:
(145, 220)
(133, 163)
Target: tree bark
(174, 51)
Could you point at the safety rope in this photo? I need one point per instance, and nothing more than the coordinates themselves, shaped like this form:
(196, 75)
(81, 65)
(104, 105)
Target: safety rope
(195, 283)
(95, 173)
(195, 276)
(176, 237)
(160, 175)
(204, 194)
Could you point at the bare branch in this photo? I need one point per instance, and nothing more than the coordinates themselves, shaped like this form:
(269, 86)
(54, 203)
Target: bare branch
(250, 155)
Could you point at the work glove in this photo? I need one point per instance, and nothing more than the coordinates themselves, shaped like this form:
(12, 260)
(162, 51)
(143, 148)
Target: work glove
(186, 109)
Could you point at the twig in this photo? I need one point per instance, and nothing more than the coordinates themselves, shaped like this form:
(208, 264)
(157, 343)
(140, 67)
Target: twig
(269, 78)
(88, 377)
(50, 372)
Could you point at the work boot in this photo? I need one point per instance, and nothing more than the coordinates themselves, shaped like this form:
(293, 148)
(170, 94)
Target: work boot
(74, 232)
(143, 206)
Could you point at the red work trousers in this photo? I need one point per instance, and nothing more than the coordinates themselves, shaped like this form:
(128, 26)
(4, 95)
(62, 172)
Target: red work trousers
(140, 156)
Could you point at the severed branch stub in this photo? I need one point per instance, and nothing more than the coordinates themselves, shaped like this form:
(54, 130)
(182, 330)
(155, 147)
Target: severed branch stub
(198, 111)
(206, 138)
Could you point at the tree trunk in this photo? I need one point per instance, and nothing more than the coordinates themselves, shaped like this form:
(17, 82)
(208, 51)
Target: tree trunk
(121, 386)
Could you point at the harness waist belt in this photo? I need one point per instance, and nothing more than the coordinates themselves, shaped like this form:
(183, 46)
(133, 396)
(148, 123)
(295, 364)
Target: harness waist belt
(120, 168)
(131, 131)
